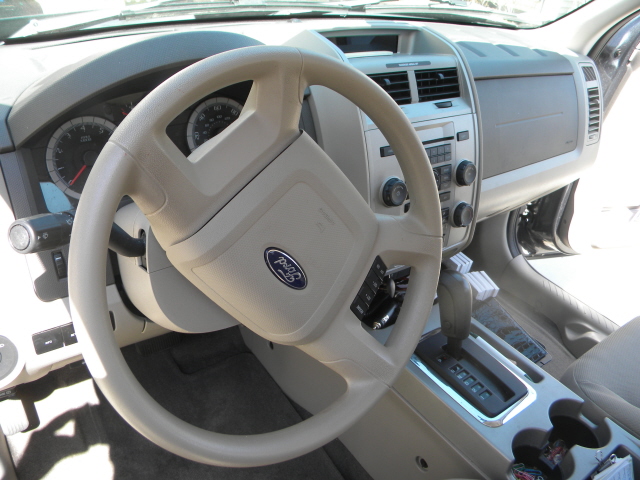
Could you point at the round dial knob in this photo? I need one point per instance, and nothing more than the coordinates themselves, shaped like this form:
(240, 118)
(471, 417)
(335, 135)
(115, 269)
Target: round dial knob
(462, 215)
(466, 173)
(394, 192)
(436, 175)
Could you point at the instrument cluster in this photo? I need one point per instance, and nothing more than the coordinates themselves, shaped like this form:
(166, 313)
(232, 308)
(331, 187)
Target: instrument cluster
(65, 154)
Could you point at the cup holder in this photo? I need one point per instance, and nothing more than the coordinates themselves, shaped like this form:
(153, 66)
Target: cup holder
(573, 428)
(546, 450)
(573, 432)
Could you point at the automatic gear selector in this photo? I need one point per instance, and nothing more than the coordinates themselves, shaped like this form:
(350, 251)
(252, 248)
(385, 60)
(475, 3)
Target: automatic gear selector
(477, 376)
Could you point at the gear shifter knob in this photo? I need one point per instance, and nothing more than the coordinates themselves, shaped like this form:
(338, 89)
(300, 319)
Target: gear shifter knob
(455, 299)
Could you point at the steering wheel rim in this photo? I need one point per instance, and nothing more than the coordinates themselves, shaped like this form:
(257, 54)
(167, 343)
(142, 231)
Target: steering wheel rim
(169, 190)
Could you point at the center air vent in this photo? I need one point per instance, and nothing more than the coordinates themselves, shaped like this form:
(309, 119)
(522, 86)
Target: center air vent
(437, 84)
(395, 84)
(593, 130)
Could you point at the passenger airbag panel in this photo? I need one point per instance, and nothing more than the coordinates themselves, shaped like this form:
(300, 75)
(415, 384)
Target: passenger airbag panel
(526, 120)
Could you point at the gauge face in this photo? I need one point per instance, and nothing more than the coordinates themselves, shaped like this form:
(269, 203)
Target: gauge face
(210, 118)
(73, 149)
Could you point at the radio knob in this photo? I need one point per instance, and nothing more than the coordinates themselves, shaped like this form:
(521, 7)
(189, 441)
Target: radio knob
(466, 173)
(394, 192)
(462, 215)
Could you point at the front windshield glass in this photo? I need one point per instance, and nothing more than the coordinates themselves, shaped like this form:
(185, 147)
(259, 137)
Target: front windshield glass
(29, 18)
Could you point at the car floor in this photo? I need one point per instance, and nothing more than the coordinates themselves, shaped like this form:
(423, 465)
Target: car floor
(210, 380)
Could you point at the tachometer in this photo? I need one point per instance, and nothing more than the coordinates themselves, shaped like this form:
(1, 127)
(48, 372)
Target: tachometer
(210, 118)
(73, 149)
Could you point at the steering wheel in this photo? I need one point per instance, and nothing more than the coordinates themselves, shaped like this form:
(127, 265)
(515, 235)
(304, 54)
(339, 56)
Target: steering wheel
(260, 185)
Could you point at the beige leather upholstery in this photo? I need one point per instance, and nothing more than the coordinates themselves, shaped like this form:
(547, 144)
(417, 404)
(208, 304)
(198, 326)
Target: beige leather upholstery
(607, 377)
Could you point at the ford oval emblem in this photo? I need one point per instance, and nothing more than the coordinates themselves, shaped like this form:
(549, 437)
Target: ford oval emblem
(285, 268)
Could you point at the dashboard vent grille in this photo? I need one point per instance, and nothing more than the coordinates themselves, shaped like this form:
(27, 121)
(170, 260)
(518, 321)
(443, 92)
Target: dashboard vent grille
(589, 74)
(396, 84)
(594, 113)
(437, 84)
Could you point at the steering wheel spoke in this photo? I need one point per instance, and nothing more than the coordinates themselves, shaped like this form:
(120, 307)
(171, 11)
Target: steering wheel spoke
(346, 346)
(402, 240)
(190, 191)
(348, 349)
(267, 125)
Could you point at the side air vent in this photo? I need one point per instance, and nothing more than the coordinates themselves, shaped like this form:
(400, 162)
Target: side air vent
(395, 84)
(593, 130)
(589, 74)
(437, 84)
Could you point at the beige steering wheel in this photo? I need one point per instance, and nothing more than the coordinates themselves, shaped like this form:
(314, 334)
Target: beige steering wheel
(259, 185)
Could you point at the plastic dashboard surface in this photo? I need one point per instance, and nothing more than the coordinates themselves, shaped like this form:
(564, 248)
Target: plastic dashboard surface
(104, 75)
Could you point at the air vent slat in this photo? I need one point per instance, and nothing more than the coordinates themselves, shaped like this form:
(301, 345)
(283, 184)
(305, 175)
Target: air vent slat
(593, 118)
(437, 84)
(589, 74)
(395, 89)
(440, 85)
(396, 84)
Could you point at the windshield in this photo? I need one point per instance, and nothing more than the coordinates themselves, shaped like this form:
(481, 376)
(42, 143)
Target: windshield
(32, 18)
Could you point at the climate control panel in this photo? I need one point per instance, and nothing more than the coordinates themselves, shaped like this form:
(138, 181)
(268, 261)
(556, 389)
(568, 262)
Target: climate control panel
(451, 149)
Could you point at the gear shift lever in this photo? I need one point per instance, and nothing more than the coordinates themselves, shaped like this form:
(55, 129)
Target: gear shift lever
(477, 376)
(455, 298)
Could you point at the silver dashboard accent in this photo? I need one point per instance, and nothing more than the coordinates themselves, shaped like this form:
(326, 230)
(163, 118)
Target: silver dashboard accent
(498, 420)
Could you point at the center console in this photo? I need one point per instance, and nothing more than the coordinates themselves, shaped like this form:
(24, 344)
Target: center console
(467, 405)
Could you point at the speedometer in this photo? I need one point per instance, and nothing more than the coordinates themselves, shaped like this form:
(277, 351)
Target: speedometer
(73, 149)
(210, 118)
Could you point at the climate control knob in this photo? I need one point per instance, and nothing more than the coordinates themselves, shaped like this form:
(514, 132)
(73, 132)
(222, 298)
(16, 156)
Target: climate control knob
(466, 173)
(394, 192)
(462, 215)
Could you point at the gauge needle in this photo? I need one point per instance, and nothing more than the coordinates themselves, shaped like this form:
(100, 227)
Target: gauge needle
(84, 167)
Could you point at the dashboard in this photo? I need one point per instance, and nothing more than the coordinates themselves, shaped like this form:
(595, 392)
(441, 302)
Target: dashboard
(503, 122)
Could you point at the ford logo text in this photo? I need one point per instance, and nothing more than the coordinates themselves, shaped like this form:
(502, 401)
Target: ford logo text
(285, 268)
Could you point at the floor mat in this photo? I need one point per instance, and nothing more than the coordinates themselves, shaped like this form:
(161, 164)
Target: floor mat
(227, 391)
(493, 316)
